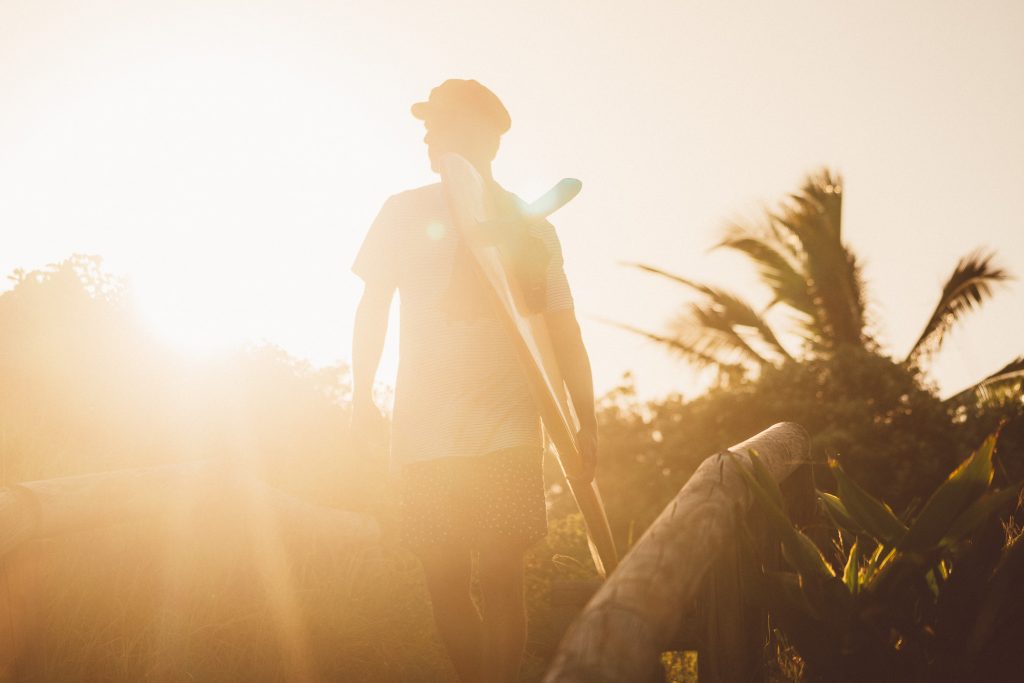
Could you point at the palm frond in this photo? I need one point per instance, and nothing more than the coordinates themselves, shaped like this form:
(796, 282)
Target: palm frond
(688, 352)
(712, 329)
(664, 273)
(969, 286)
(777, 269)
(1006, 381)
(700, 329)
(813, 218)
(723, 313)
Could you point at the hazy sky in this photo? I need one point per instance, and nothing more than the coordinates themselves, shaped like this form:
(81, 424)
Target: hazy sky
(228, 157)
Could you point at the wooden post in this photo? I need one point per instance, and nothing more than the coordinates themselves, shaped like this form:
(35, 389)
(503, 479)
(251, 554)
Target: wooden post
(640, 610)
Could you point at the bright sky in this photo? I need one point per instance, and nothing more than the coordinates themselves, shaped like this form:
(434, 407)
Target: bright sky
(228, 156)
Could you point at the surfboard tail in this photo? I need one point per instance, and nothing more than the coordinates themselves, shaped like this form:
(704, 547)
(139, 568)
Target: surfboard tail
(599, 533)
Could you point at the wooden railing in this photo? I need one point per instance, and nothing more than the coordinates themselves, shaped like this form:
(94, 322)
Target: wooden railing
(59, 507)
(53, 507)
(680, 587)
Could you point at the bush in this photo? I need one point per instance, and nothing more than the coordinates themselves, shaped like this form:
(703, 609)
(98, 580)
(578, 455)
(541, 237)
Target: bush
(933, 599)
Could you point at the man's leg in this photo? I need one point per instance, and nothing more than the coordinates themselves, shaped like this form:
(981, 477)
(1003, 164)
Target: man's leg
(448, 571)
(504, 623)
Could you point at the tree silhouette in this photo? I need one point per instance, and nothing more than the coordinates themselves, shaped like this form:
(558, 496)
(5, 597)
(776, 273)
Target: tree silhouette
(88, 387)
(812, 275)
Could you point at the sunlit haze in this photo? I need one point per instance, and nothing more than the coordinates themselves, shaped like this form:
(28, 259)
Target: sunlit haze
(228, 157)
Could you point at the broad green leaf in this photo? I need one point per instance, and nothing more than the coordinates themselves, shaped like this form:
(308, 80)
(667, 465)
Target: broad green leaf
(874, 516)
(783, 587)
(980, 510)
(963, 487)
(837, 511)
(764, 478)
(851, 570)
(876, 554)
(749, 555)
(900, 572)
(934, 580)
(881, 558)
(798, 550)
(801, 552)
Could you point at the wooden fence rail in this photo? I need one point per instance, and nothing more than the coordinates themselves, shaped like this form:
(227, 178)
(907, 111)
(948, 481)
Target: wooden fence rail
(56, 507)
(53, 507)
(687, 558)
(678, 587)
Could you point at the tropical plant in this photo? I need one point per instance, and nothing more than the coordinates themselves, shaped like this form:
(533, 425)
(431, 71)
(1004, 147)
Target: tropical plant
(1003, 384)
(894, 436)
(935, 598)
(815, 278)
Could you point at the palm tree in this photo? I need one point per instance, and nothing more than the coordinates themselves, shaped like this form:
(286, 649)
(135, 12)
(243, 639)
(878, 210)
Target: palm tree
(815, 278)
(1007, 382)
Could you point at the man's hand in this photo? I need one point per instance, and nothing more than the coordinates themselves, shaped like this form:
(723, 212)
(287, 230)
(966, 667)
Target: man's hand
(586, 438)
(575, 366)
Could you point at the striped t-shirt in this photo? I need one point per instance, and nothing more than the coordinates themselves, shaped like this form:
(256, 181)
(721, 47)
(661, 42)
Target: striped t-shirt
(460, 389)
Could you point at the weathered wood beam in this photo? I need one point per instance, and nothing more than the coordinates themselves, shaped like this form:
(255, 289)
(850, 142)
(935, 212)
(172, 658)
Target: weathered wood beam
(640, 610)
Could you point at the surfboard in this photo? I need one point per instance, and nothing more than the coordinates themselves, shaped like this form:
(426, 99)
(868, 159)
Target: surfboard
(474, 218)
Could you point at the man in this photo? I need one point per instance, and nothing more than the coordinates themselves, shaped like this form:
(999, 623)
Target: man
(465, 430)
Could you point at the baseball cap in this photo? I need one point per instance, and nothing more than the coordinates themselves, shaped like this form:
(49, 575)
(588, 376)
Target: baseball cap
(457, 97)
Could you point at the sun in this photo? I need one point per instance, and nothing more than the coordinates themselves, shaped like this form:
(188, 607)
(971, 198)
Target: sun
(224, 191)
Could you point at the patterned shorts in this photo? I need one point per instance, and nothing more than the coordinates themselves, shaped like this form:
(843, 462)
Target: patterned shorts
(471, 501)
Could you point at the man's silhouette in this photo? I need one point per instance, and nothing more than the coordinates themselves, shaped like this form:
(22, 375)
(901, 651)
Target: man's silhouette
(465, 431)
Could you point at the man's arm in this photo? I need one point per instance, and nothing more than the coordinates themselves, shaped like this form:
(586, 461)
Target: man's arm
(369, 330)
(575, 365)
